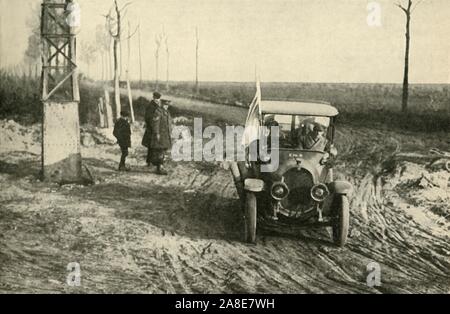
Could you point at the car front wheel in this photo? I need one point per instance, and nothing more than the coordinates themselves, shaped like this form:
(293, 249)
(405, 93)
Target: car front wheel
(250, 218)
(342, 222)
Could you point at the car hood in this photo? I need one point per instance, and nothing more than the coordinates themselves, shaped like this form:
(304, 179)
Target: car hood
(307, 160)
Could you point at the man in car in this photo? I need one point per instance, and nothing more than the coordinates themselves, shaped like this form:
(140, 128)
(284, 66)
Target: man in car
(314, 139)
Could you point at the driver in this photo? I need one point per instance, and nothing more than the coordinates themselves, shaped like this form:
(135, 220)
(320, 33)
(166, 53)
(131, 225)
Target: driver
(270, 121)
(314, 139)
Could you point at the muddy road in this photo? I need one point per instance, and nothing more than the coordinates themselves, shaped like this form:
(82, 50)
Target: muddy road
(138, 232)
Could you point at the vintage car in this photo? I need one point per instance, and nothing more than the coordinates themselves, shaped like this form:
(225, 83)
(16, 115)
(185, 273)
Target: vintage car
(301, 191)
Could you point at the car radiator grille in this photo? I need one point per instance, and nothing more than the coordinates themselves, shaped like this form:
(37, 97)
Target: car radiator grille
(299, 200)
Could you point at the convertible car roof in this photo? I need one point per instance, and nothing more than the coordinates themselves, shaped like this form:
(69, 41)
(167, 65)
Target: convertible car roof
(299, 108)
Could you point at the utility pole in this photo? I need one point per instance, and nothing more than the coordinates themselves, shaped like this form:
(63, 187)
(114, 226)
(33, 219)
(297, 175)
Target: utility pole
(158, 41)
(197, 42)
(167, 63)
(130, 97)
(61, 149)
(140, 57)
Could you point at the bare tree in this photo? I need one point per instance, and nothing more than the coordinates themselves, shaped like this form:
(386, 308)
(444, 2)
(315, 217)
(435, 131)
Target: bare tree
(408, 10)
(114, 22)
(32, 54)
(88, 55)
(120, 60)
(158, 41)
(33, 51)
(110, 58)
(130, 97)
(167, 62)
(197, 43)
(103, 43)
(140, 56)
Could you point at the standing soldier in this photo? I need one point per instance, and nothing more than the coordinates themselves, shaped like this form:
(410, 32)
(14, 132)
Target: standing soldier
(122, 132)
(161, 136)
(149, 113)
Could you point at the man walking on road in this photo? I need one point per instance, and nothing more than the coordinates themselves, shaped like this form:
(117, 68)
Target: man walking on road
(122, 132)
(160, 136)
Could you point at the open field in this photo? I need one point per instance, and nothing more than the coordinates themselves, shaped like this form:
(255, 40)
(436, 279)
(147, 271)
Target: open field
(361, 104)
(377, 104)
(352, 97)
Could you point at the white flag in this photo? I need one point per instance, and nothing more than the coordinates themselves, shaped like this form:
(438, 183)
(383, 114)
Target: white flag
(252, 126)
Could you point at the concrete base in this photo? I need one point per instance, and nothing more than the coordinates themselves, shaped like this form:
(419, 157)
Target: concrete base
(61, 147)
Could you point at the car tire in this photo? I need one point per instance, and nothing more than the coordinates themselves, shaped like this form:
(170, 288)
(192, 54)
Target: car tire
(250, 218)
(342, 223)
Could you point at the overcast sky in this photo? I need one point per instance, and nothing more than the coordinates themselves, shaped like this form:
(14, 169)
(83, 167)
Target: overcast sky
(296, 40)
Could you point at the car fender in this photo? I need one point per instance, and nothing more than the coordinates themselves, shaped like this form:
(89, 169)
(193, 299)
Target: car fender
(341, 187)
(254, 185)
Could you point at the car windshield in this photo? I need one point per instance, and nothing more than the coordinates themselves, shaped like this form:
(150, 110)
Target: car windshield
(300, 132)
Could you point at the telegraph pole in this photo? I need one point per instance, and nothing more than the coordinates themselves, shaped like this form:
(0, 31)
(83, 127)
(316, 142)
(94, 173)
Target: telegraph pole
(61, 148)
(140, 58)
(197, 41)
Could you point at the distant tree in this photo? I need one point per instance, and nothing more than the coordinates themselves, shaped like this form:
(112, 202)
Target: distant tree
(167, 63)
(88, 55)
(33, 50)
(140, 56)
(408, 10)
(103, 45)
(158, 41)
(130, 97)
(33, 54)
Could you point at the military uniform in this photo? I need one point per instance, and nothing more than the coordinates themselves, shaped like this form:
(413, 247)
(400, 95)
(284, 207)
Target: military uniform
(122, 132)
(146, 140)
(160, 136)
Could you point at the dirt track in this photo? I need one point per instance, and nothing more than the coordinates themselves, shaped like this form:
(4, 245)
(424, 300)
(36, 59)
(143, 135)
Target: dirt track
(137, 232)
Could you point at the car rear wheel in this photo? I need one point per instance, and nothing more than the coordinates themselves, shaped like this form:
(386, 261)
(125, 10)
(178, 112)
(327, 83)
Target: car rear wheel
(250, 218)
(341, 225)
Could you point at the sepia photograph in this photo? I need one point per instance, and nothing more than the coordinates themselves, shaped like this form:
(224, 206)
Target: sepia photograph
(245, 149)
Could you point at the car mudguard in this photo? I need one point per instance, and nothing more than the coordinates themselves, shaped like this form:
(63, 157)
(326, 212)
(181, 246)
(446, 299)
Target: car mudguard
(341, 187)
(244, 171)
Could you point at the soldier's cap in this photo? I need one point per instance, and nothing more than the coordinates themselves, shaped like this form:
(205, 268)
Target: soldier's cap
(269, 118)
(156, 95)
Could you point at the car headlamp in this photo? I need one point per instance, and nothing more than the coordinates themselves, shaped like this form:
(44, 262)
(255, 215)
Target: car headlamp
(319, 192)
(279, 191)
